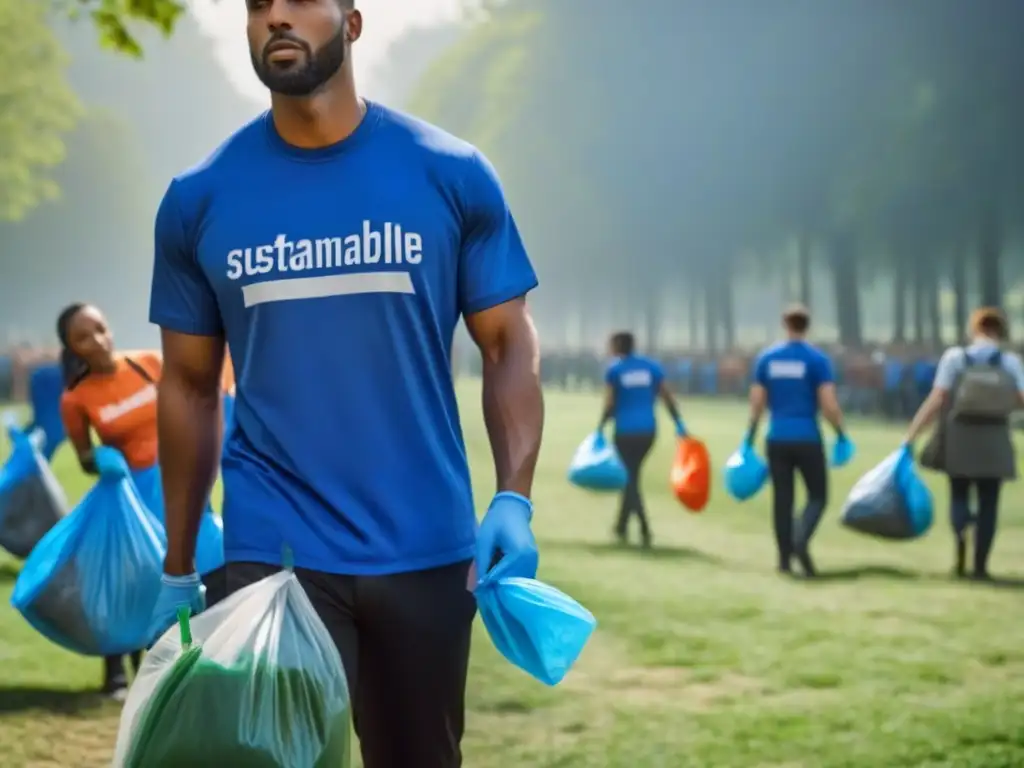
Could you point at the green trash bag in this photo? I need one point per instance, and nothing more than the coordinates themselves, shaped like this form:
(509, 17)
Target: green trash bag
(255, 681)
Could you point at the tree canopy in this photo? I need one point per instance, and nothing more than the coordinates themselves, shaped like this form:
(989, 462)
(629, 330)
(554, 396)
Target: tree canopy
(37, 108)
(114, 20)
(683, 150)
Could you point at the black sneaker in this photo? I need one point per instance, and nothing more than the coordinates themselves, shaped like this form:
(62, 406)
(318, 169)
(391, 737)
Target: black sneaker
(806, 564)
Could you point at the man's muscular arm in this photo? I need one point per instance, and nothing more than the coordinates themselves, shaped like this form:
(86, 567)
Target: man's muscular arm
(189, 412)
(512, 400)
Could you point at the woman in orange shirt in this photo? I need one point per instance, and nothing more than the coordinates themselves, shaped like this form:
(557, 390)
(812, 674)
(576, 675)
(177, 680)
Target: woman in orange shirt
(115, 397)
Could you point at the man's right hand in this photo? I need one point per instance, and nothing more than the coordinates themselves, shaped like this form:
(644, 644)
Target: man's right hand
(175, 591)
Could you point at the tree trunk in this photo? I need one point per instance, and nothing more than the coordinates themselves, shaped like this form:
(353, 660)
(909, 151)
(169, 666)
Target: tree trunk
(990, 248)
(920, 292)
(711, 314)
(899, 301)
(803, 256)
(652, 322)
(726, 309)
(847, 290)
(933, 308)
(693, 340)
(960, 297)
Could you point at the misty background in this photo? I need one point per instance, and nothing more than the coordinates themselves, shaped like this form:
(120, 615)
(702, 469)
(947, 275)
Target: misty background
(683, 168)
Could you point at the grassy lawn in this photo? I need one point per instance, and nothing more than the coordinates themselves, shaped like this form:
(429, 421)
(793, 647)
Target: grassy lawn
(703, 656)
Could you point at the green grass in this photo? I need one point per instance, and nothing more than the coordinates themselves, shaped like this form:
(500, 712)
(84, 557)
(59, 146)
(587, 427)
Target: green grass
(703, 656)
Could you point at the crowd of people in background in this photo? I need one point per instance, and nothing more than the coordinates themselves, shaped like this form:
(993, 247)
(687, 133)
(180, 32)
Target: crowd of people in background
(884, 380)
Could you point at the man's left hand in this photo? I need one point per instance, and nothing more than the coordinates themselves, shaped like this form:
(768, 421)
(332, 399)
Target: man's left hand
(505, 532)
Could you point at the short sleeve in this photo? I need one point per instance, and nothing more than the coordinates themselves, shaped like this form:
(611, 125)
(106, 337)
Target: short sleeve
(493, 264)
(824, 371)
(761, 370)
(657, 374)
(181, 298)
(74, 418)
(949, 366)
(611, 373)
(1015, 367)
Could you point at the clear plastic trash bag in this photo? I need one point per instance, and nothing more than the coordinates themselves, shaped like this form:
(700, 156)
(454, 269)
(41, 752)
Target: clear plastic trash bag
(745, 473)
(891, 501)
(261, 686)
(91, 583)
(843, 451)
(533, 625)
(209, 543)
(31, 499)
(596, 466)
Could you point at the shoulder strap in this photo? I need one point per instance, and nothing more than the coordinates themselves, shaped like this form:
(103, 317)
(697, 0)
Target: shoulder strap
(968, 360)
(140, 370)
(997, 358)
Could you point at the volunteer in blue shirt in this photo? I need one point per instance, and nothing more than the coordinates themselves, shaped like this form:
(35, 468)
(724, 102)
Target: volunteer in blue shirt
(633, 385)
(794, 381)
(46, 385)
(335, 244)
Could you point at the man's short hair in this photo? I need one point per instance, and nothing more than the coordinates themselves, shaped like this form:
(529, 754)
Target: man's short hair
(797, 318)
(623, 342)
(991, 322)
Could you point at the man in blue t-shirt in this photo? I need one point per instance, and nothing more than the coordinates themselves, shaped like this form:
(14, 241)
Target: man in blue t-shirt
(794, 380)
(633, 385)
(334, 245)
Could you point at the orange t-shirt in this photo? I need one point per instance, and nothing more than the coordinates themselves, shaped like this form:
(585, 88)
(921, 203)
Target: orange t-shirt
(120, 407)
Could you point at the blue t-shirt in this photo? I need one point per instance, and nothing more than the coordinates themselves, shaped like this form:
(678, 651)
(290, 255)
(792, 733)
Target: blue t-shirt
(338, 276)
(792, 372)
(635, 380)
(46, 385)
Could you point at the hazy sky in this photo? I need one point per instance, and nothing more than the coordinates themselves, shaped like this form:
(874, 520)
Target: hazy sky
(383, 21)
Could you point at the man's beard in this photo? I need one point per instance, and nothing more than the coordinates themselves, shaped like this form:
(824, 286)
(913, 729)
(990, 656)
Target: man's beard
(302, 79)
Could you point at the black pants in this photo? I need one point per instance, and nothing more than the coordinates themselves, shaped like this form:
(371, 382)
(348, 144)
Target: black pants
(633, 449)
(987, 494)
(404, 640)
(785, 460)
(114, 673)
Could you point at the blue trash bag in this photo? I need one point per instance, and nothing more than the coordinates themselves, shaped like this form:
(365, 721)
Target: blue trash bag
(843, 451)
(31, 499)
(891, 501)
(745, 473)
(533, 625)
(209, 543)
(596, 466)
(91, 583)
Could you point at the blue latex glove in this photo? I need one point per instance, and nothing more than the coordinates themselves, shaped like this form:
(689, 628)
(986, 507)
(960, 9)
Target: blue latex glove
(505, 530)
(109, 462)
(175, 591)
(680, 428)
(843, 451)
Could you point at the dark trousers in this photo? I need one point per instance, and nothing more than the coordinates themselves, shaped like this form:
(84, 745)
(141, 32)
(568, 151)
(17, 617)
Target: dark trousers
(633, 449)
(985, 520)
(114, 673)
(785, 461)
(404, 641)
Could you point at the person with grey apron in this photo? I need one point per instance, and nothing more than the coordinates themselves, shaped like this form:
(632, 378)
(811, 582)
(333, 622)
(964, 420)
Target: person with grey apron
(975, 392)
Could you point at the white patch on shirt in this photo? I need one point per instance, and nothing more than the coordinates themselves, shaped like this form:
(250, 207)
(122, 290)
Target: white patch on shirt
(787, 369)
(635, 379)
